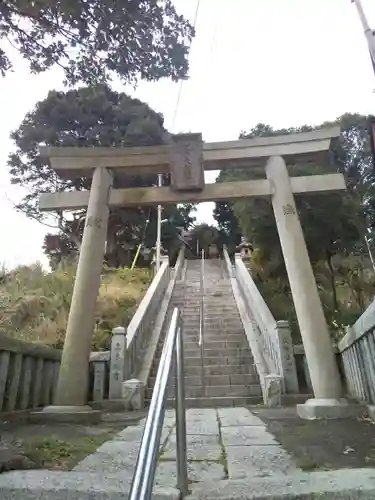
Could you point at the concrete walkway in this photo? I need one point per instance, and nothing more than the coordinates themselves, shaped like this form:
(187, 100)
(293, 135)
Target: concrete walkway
(228, 443)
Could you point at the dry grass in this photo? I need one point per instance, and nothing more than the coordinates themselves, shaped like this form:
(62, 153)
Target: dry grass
(34, 305)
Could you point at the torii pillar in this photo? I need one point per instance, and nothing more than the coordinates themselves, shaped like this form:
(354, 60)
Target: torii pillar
(316, 339)
(71, 393)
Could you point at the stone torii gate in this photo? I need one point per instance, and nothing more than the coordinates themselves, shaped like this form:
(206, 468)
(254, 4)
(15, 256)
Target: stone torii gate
(186, 158)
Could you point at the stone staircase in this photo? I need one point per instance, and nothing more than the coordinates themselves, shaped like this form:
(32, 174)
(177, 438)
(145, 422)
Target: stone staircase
(230, 378)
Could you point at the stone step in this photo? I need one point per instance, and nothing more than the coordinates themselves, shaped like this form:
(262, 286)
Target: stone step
(217, 344)
(226, 314)
(210, 313)
(214, 297)
(215, 315)
(219, 402)
(212, 331)
(218, 337)
(214, 391)
(213, 287)
(215, 380)
(213, 370)
(216, 293)
(196, 352)
(208, 305)
(234, 326)
(224, 302)
(246, 359)
(217, 327)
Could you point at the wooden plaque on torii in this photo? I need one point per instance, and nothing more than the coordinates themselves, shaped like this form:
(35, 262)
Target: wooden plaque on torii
(186, 162)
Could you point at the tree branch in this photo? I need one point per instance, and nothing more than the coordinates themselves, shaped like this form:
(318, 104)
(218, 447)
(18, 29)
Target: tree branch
(28, 214)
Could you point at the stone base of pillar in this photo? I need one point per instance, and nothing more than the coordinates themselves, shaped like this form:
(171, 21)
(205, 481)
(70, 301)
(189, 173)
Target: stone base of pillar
(67, 414)
(315, 409)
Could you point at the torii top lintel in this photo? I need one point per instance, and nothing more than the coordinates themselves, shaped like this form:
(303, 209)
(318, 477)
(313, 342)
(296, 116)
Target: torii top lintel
(295, 148)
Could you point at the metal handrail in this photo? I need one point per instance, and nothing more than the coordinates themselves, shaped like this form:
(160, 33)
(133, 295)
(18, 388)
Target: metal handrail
(143, 479)
(201, 322)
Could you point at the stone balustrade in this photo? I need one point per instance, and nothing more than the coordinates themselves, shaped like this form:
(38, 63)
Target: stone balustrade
(270, 340)
(133, 349)
(129, 345)
(357, 353)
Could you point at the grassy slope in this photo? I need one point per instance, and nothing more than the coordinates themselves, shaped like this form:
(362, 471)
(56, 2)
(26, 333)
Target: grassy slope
(34, 305)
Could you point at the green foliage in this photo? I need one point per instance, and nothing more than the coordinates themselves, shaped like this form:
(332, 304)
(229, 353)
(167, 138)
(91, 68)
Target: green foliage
(89, 116)
(228, 224)
(334, 224)
(93, 39)
(34, 305)
(204, 235)
(58, 454)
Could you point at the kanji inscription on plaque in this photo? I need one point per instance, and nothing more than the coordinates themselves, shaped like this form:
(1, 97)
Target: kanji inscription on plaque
(186, 162)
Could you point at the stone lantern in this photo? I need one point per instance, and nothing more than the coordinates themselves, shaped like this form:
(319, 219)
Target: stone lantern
(244, 249)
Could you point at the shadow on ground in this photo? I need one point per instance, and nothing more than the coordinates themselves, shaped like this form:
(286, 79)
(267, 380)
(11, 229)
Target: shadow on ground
(322, 444)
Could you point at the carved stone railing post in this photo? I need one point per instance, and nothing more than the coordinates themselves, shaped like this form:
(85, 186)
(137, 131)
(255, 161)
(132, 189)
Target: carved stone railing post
(117, 370)
(287, 360)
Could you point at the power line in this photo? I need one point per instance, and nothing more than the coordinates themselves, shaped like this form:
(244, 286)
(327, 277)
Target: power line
(182, 81)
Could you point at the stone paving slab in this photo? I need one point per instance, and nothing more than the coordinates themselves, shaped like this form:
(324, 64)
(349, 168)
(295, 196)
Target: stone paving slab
(344, 484)
(130, 434)
(200, 423)
(134, 434)
(258, 461)
(56, 485)
(118, 459)
(199, 447)
(120, 454)
(246, 435)
(199, 414)
(233, 417)
(201, 428)
(200, 471)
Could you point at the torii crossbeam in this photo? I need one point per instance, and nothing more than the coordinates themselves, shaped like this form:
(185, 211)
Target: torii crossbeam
(186, 158)
(308, 147)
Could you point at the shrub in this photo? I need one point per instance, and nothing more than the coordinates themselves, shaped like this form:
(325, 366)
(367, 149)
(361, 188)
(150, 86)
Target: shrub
(34, 304)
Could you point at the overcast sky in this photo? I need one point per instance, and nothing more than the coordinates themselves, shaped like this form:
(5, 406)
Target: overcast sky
(282, 62)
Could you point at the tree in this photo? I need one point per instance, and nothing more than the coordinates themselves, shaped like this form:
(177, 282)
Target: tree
(176, 218)
(90, 39)
(228, 224)
(59, 247)
(89, 116)
(334, 224)
(203, 236)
